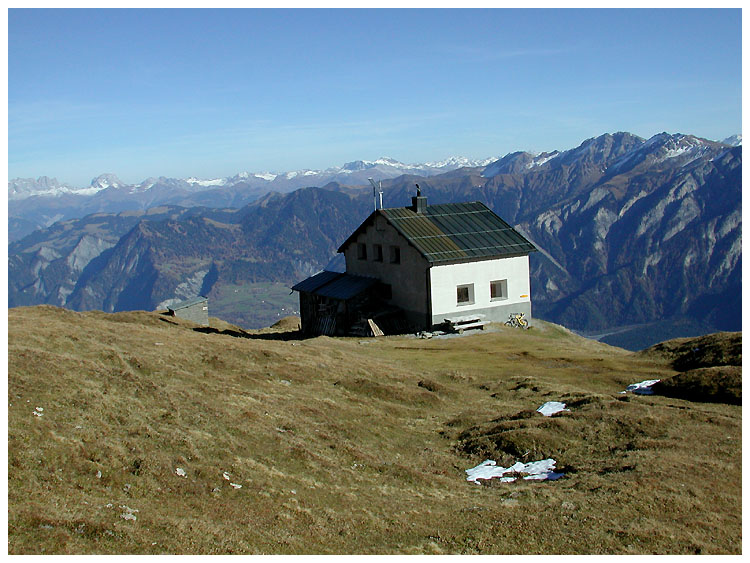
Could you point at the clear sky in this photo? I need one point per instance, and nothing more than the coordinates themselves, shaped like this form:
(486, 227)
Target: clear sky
(210, 93)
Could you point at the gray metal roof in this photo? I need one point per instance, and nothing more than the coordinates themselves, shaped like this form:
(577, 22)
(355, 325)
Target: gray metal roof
(187, 303)
(454, 232)
(335, 285)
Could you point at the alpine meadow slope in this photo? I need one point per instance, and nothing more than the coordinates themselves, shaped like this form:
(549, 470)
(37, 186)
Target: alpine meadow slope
(632, 232)
(139, 433)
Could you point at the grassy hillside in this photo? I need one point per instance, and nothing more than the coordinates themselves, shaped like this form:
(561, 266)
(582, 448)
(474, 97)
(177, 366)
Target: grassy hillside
(351, 445)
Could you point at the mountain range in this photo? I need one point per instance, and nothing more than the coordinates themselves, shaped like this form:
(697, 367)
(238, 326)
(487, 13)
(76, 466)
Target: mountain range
(37, 203)
(632, 231)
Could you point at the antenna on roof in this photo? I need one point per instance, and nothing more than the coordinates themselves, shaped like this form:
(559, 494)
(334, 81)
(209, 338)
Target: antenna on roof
(377, 189)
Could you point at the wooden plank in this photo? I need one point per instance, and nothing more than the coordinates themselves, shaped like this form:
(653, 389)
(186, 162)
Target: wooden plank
(460, 328)
(374, 328)
(463, 319)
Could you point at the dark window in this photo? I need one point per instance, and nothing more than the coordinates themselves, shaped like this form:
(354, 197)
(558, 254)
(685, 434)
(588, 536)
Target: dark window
(385, 291)
(465, 294)
(361, 251)
(498, 289)
(377, 251)
(395, 255)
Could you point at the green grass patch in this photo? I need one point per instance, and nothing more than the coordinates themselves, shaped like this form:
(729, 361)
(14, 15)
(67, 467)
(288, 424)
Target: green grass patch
(253, 305)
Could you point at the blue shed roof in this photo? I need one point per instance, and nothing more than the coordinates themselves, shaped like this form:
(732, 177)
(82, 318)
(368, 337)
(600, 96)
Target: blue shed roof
(335, 285)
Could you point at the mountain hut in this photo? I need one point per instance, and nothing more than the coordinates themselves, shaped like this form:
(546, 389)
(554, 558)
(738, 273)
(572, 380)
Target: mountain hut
(455, 265)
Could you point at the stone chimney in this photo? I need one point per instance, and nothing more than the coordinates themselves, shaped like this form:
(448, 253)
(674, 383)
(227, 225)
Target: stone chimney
(419, 203)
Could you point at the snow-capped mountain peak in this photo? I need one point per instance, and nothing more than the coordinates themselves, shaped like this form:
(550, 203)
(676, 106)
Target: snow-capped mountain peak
(21, 188)
(104, 181)
(734, 140)
(455, 162)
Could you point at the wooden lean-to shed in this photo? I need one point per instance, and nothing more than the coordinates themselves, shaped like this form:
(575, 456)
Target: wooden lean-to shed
(330, 302)
(195, 310)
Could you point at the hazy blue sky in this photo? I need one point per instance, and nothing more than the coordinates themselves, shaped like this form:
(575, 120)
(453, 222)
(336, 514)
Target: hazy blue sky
(210, 93)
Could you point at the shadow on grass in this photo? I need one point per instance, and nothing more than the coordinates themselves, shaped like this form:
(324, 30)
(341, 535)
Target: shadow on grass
(286, 335)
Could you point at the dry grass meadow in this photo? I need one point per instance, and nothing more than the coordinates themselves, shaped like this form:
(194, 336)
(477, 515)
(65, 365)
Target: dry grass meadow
(351, 445)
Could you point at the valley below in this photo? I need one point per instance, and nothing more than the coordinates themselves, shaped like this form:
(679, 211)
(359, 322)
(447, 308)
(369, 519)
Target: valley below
(139, 433)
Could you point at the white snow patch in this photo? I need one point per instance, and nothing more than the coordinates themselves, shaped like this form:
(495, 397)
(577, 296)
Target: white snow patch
(552, 407)
(181, 472)
(226, 476)
(128, 514)
(674, 153)
(206, 183)
(642, 388)
(236, 485)
(540, 161)
(266, 176)
(536, 471)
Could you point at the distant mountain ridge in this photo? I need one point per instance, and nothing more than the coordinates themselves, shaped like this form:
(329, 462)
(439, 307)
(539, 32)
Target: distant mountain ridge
(630, 231)
(38, 203)
(384, 167)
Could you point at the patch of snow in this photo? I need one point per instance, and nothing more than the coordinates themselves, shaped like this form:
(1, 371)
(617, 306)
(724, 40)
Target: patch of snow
(226, 475)
(459, 162)
(734, 140)
(540, 161)
(387, 161)
(128, 514)
(236, 485)
(89, 191)
(642, 388)
(534, 471)
(552, 407)
(181, 472)
(673, 153)
(206, 183)
(266, 176)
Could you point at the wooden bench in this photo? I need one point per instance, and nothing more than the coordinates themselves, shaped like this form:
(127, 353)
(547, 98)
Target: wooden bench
(460, 324)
